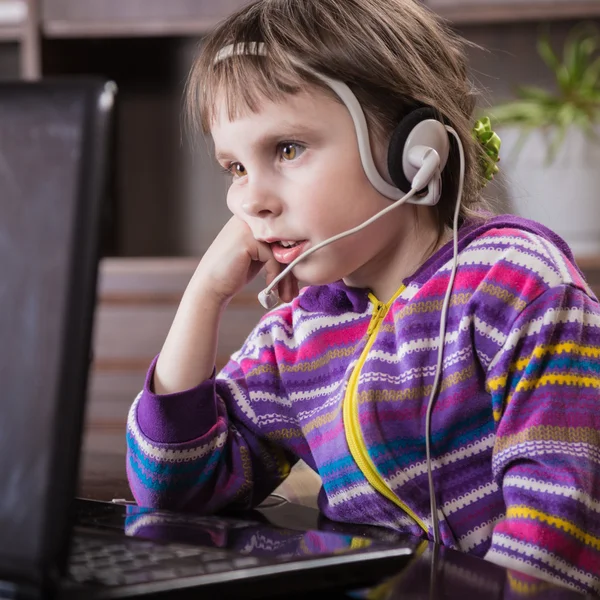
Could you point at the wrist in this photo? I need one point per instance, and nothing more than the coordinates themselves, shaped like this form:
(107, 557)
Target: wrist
(206, 293)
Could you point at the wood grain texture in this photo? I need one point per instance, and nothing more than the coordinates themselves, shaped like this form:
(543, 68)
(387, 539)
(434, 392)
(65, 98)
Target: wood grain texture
(137, 302)
(11, 33)
(77, 18)
(462, 12)
(136, 10)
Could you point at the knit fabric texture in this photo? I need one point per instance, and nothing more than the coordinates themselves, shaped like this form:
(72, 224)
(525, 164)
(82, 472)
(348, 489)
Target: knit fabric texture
(515, 428)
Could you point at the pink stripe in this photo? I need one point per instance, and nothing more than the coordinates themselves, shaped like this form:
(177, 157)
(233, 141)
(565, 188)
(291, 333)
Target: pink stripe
(526, 286)
(505, 231)
(323, 437)
(553, 540)
(312, 348)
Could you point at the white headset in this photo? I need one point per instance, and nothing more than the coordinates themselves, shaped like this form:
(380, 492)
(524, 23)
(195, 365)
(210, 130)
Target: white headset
(417, 154)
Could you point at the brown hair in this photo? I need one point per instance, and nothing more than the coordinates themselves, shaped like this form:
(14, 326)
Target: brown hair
(394, 54)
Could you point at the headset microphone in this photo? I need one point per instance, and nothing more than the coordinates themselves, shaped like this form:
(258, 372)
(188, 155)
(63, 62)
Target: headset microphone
(269, 297)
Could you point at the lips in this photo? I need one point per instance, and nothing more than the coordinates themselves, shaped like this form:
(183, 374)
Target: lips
(286, 255)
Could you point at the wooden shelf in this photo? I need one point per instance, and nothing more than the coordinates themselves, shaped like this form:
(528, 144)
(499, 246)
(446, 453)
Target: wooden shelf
(106, 29)
(459, 12)
(466, 12)
(11, 33)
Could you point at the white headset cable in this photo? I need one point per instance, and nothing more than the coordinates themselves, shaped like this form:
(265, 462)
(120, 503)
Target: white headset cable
(441, 339)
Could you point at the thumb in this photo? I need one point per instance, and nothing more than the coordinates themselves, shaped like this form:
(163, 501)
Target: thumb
(272, 270)
(265, 256)
(288, 288)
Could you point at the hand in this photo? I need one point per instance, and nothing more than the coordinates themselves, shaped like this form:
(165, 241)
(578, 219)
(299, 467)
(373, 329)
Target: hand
(235, 258)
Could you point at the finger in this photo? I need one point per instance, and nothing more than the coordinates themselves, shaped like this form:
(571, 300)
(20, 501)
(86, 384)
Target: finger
(285, 289)
(295, 287)
(262, 255)
(271, 267)
(289, 289)
(272, 270)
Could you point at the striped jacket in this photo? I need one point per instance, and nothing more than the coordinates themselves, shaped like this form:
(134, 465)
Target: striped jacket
(341, 380)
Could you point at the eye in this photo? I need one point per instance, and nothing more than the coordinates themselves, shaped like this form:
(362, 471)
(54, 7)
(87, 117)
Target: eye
(237, 170)
(290, 151)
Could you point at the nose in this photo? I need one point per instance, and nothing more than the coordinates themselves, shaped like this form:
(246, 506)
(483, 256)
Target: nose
(260, 199)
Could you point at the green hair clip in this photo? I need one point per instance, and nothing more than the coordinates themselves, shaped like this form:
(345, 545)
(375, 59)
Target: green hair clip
(491, 143)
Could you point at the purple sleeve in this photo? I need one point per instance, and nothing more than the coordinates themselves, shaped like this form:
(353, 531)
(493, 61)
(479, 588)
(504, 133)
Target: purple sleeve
(176, 418)
(188, 451)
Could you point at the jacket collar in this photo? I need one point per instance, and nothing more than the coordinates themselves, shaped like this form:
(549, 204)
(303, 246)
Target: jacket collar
(337, 298)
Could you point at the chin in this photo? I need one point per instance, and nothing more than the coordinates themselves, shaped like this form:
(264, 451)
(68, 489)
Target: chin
(317, 276)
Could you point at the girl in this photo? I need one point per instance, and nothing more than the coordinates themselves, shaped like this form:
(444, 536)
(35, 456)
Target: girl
(492, 451)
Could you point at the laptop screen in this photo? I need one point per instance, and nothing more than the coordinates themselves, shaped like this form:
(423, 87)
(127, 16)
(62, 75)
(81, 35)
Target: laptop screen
(51, 155)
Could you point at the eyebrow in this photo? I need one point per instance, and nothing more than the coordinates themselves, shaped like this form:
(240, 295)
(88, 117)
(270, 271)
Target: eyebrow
(285, 131)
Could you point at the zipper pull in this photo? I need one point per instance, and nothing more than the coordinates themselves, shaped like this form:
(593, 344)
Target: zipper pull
(378, 314)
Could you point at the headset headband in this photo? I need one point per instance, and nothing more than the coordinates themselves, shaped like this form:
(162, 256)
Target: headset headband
(351, 102)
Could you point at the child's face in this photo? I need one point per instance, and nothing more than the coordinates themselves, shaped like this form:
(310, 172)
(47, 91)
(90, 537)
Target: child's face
(297, 176)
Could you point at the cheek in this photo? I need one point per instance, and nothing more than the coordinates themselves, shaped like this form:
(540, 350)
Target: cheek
(233, 200)
(341, 195)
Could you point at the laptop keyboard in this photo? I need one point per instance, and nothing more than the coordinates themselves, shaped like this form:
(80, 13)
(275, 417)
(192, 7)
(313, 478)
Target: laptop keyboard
(115, 561)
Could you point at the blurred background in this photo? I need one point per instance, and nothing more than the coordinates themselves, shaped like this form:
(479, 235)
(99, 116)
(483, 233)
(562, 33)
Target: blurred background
(164, 205)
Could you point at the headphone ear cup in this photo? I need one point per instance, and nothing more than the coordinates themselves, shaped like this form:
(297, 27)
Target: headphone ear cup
(397, 145)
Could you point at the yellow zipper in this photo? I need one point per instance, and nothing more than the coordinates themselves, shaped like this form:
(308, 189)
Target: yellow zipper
(354, 436)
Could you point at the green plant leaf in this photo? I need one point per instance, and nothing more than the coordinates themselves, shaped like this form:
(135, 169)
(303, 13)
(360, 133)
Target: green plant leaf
(563, 78)
(529, 92)
(545, 50)
(566, 115)
(589, 79)
(577, 102)
(579, 47)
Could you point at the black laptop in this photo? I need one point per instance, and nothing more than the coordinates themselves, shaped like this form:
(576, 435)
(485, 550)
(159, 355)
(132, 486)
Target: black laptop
(53, 155)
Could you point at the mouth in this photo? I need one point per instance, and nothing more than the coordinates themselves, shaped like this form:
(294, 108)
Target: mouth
(286, 251)
(286, 244)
